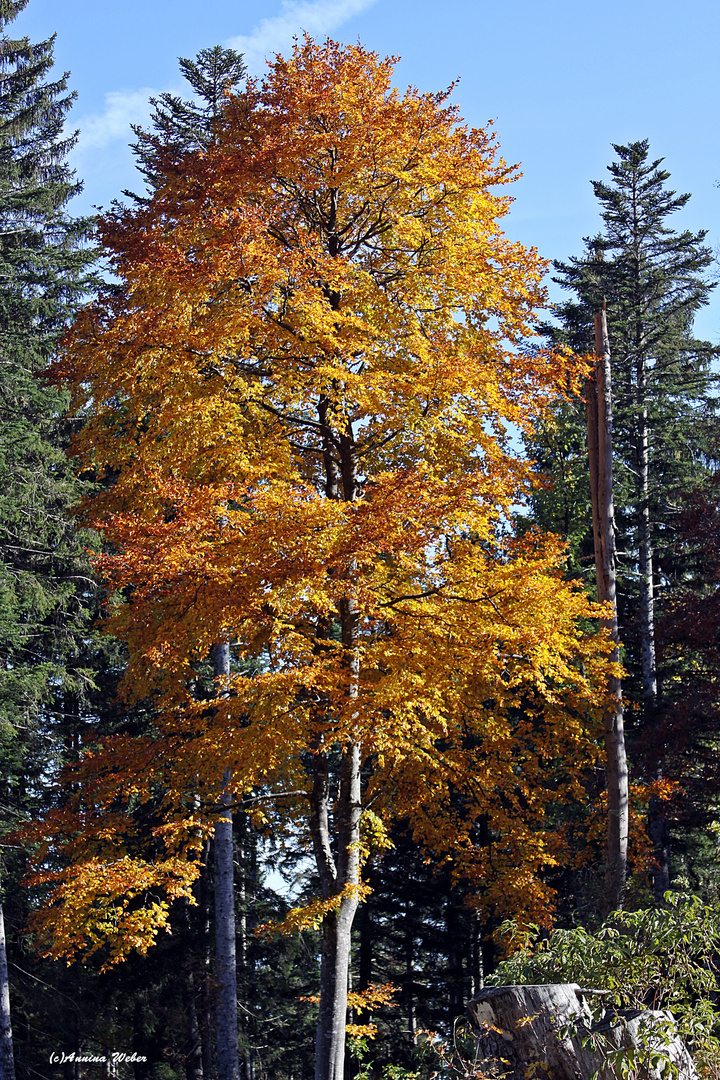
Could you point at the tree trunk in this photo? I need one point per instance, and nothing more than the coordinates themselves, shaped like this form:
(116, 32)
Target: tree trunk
(477, 980)
(205, 995)
(337, 925)
(409, 973)
(456, 945)
(7, 1062)
(518, 1027)
(248, 896)
(658, 825)
(226, 1025)
(599, 413)
(193, 1057)
(339, 873)
(645, 552)
(659, 830)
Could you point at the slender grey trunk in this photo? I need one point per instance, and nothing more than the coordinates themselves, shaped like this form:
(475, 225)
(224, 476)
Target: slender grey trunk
(659, 830)
(193, 1057)
(642, 467)
(477, 980)
(341, 870)
(226, 1025)
(7, 1062)
(645, 554)
(410, 972)
(658, 825)
(206, 1039)
(599, 414)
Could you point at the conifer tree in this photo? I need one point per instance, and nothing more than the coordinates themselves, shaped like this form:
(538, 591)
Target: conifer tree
(44, 580)
(653, 280)
(181, 125)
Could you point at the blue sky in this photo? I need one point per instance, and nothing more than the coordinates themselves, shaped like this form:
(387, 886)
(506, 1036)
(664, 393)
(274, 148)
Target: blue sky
(562, 81)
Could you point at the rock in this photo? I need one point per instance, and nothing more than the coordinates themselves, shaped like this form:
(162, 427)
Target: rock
(553, 1028)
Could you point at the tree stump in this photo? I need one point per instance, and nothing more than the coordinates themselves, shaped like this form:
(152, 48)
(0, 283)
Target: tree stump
(552, 1027)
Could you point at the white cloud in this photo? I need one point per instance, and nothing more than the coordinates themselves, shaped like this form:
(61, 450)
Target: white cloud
(270, 36)
(98, 131)
(122, 108)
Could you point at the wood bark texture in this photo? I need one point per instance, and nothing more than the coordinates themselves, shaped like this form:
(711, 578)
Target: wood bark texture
(599, 414)
(7, 1062)
(337, 925)
(228, 1062)
(518, 1027)
(342, 869)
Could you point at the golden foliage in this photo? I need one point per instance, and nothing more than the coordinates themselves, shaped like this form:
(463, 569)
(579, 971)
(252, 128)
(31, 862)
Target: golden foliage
(310, 916)
(301, 391)
(373, 997)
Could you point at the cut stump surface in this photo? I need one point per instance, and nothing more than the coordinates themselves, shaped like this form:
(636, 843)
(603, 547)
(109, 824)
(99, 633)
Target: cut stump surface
(552, 1027)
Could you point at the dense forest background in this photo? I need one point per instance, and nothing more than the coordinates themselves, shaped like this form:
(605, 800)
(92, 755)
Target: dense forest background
(422, 928)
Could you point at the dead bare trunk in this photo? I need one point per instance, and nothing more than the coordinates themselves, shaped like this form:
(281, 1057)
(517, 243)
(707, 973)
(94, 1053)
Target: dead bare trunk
(226, 1025)
(7, 1061)
(599, 412)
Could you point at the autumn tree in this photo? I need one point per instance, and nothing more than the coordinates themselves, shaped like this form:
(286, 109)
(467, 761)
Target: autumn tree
(301, 390)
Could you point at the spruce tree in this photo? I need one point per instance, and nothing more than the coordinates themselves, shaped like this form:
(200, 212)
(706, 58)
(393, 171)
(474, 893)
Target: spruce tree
(180, 125)
(45, 587)
(653, 280)
(43, 278)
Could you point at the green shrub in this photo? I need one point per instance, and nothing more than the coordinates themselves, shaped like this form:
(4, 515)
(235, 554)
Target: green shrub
(655, 958)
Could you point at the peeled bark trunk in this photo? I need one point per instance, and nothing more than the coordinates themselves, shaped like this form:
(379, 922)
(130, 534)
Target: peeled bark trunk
(599, 415)
(226, 1025)
(337, 925)
(551, 1028)
(337, 832)
(7, 1062)
(338, 874)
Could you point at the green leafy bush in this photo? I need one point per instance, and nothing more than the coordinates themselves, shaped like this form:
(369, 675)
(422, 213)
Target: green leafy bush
(655, 958)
